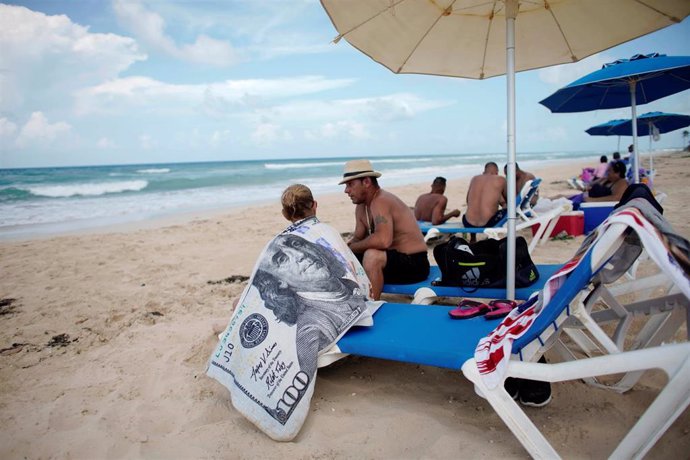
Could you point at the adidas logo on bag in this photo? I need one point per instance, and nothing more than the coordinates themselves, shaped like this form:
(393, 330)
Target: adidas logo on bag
(471, 277)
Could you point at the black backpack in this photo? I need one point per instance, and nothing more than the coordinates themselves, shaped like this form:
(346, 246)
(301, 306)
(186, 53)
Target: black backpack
(483, 264)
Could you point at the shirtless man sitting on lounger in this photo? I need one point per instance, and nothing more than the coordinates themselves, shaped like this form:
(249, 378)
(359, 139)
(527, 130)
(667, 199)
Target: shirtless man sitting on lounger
(521, 178)
(387, 238)
(485, 196)
(431, 207)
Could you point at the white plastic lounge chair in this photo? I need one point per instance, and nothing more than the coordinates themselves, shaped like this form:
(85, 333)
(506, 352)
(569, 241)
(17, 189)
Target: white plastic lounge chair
(524, 207)
(546, 220)
(424, 335)
(664, 314)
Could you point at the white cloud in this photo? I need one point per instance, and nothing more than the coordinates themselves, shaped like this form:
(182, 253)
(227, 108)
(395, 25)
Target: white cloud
(150, 27)
(146, 142)
(38, 131)
(105, 143)
(340, 129)
(218, 138)
(7, 128)
(552, 133)
(44, 58)
(268, 133)
(561, 75)
(393, 107)
(259, 30)
(123, 94)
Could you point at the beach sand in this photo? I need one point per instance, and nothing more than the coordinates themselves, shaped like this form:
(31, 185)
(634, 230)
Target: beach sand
(105, 344)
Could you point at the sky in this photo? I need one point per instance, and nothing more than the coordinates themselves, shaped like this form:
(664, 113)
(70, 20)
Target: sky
(97, 82)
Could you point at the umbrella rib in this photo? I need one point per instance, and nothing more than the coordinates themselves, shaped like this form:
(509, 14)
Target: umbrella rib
(671, 18)
(560, 29)
(390, 7)
(575, 93)
(678, 77)
(643, 94)
(486, 40)
(425, 34)
(494, 10)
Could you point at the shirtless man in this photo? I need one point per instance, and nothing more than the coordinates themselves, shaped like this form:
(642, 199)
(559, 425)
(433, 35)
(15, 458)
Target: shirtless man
(486, 194)
(521, 178)
(431, 207)
(387, 238)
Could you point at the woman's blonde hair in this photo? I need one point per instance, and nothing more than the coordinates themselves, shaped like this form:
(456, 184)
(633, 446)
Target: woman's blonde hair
(297, 202)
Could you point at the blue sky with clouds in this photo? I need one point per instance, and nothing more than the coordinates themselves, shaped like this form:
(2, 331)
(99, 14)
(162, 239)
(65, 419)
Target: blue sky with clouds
(135, 81)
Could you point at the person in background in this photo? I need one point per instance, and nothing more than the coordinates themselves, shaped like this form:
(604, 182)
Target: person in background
(521, 178)
(387, 238)
(601, 170)
(486, 199)
(431, 207)
(610, 189)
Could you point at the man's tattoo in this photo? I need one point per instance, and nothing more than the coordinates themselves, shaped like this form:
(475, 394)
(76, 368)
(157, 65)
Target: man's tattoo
(380, 220)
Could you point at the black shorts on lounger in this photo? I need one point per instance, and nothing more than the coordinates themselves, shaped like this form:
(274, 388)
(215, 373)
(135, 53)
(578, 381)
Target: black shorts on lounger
(405, 268)
(500, 214)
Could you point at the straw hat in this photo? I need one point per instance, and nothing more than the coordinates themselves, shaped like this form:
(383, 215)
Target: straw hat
(356, 169)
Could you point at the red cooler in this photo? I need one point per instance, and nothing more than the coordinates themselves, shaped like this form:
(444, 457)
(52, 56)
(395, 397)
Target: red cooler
(573, 223)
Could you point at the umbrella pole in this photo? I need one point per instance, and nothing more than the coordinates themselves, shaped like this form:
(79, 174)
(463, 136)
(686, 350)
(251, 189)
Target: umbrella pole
(633, 107)
(511, 13)
(651, 162)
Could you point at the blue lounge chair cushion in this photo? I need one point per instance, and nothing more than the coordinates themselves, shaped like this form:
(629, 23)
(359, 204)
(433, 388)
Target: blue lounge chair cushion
(420, 334)
(545, 272)
(452, 227)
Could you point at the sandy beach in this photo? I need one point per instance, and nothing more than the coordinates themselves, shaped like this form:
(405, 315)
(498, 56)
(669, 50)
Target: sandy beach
(104, 344)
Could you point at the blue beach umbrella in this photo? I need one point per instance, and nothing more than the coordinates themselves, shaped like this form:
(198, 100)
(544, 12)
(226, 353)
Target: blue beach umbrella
(622, 83)
(604, 129)
(651, 124)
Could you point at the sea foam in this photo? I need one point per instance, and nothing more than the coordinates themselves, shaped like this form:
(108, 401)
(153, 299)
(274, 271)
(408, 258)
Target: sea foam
(87, 189)
(153, 171)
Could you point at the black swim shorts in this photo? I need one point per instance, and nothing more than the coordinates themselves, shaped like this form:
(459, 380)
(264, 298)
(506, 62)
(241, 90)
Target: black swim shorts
(495, 219)
(405, 268)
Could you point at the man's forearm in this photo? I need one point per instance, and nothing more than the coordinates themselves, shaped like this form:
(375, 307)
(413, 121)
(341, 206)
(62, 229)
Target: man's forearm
(370, 242)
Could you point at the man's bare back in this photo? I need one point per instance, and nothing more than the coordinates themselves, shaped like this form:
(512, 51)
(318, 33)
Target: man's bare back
(424, 207)
(431, 207)
(487, 192)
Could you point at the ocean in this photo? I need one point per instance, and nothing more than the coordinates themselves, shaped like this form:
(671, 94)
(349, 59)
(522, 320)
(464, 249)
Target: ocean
(54, 200)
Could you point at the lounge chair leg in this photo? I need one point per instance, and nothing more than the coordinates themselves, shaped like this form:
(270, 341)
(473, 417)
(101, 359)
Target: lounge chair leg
(512, 415)
(665, 409)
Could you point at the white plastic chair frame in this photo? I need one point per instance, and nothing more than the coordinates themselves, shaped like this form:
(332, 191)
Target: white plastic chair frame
(664, 314)
(674, 360)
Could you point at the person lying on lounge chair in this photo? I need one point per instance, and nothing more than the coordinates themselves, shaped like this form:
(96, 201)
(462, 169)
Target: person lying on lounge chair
(431, 207)
(609, 190)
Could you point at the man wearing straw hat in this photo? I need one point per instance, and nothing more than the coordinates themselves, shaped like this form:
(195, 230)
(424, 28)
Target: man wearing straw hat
(387, 238)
